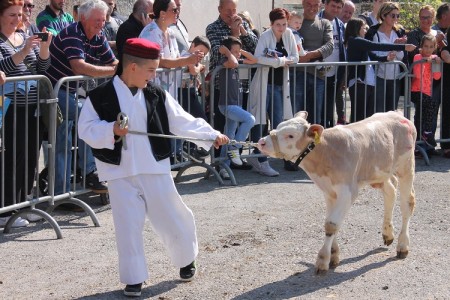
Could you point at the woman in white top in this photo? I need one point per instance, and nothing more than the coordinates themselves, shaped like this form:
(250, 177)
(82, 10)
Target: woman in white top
(388, 31)
(269, 89)
(165, 13)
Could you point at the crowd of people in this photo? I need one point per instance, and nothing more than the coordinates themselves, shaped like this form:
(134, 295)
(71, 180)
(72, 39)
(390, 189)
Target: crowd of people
(96, 41)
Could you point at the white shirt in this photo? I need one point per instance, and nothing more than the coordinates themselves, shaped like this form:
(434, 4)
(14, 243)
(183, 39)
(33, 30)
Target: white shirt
(388, 70)
(169, 49)
(138, 158)
(335, 54)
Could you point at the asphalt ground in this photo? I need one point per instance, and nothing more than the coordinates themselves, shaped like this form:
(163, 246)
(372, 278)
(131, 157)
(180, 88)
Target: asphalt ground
(257, 240)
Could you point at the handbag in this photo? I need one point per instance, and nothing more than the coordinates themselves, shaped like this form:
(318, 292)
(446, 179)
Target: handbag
(44, 92)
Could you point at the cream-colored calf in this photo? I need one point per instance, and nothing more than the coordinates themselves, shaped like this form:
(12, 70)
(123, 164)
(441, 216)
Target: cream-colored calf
(378, 151)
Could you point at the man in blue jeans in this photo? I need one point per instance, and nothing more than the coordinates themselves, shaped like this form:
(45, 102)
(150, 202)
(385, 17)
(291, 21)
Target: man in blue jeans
(318, 36)
(79, 49)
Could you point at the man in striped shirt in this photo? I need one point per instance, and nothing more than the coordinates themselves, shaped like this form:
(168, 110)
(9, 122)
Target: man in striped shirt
(79, 49)
(53, 17)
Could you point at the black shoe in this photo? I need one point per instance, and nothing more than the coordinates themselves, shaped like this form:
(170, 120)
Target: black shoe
(93, 183)
(290, 166)
(428, 138)
(433, 152)
(133, 290)
(188, 273)
(244, 166)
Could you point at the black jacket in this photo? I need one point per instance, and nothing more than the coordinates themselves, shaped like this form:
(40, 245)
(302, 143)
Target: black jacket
(106, 104)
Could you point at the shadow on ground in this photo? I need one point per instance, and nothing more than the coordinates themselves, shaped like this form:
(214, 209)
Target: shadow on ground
(306, 282)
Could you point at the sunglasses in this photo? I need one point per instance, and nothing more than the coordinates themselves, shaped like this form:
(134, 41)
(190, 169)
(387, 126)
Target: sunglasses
(393, 16)
(29, 5)
(425, 17)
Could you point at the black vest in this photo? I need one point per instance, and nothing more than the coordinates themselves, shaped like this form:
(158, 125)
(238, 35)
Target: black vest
(106, 104)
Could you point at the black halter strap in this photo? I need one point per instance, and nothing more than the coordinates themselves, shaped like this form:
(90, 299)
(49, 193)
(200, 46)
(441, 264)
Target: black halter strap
(305, 152)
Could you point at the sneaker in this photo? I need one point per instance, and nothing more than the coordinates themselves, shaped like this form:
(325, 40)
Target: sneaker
(202, 153)
(267, 170)
(235, 157)
(254, 162)
(224, 174)
(290, 166)
(19, 222)
(93, 183)
(428, 138)
(133, 290)
(244, 166)
(188, 273)
(33, 217)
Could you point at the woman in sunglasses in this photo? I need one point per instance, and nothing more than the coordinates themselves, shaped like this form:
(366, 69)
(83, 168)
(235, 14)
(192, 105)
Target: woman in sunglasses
(388, 31)
(166, 13)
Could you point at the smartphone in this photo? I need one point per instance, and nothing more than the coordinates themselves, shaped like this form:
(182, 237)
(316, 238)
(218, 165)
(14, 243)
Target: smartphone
(42, 35)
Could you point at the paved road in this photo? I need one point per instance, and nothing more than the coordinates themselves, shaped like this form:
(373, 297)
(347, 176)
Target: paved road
(258, 240)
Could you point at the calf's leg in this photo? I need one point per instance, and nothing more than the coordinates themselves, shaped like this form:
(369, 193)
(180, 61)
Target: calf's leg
(389, 193)
(337, 209)
(407, 203)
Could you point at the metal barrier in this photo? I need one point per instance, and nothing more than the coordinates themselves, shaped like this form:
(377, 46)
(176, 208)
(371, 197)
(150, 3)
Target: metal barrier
(193, 100)
(21, 133)
(432, 104)
(310, 91)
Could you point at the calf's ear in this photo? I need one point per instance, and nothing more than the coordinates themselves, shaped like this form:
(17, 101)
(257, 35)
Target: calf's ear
(313, 130)
(301, 114)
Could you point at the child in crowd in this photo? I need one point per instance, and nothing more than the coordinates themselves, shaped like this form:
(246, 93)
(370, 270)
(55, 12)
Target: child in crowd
(426, 109)
(238, 120)
(189, 94)
(295, 23)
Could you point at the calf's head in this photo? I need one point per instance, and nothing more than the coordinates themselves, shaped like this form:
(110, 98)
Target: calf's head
(290, 138)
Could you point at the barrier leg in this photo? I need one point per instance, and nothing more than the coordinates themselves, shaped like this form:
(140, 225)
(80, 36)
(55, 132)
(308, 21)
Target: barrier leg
(79, 203)
(38, 212)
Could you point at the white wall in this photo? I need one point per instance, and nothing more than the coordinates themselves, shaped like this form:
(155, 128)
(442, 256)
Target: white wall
(197, 14)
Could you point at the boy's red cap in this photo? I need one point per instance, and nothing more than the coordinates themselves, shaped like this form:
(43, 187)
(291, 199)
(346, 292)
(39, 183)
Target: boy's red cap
(142, 48)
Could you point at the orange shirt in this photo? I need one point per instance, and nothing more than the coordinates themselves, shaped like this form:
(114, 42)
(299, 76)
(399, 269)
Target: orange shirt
(422, 76)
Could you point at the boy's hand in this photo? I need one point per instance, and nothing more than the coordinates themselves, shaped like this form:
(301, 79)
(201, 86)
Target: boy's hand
(221, 139)
(119, 131)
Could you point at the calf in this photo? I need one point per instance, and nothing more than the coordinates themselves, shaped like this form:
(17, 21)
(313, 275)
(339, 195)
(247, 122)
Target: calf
(378, 151)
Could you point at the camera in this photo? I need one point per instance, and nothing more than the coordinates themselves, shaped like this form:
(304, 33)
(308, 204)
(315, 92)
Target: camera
(42, 35)
(272, 53)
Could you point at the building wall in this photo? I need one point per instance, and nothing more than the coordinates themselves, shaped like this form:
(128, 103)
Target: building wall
(196, 14)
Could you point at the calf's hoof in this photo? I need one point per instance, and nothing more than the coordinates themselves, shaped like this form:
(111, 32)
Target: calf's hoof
(322, 266)
(321, 272)
(402, 254)
(334, 263)
(387, 241)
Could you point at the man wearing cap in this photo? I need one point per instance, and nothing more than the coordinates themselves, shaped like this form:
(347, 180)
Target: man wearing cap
(137, 167)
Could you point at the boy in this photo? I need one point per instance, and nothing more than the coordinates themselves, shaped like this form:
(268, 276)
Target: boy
(139, 178)
(189, 99)
(238, 120)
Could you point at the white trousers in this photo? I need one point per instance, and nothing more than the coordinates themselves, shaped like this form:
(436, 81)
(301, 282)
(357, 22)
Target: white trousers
(154, 196)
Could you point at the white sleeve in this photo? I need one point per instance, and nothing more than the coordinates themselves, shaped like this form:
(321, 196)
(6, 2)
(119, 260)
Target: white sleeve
(184, 124)
(95, 132)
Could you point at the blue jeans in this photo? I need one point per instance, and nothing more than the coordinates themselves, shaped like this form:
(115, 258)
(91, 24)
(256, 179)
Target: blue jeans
(313, 98)
(274, 104)
(63, 145)
(238, 124)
